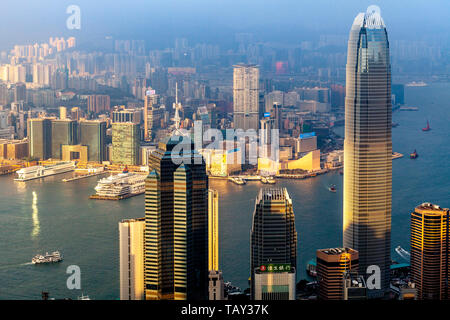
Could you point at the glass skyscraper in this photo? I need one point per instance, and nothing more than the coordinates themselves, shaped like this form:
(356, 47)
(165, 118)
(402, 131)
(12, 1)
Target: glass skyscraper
(368, 146)
(176, 223)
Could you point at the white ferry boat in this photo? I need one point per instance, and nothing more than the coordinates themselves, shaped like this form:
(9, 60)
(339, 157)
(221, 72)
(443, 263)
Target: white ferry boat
(121, 185)
(416, 84)
(37, 172)
(47, 258)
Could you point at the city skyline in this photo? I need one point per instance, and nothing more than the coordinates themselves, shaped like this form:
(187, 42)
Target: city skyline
(304, 158)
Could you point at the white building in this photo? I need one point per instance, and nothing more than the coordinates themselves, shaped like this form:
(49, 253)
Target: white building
(131, 235)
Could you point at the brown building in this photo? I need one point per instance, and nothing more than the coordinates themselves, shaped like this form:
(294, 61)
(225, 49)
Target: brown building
(331, 265)
(429, 251)
(13, 149)
(98, 103)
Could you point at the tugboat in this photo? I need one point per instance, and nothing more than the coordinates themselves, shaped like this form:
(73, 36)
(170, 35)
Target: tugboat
(47, 258)
(332, 188)
(414, 155)
(427, 128)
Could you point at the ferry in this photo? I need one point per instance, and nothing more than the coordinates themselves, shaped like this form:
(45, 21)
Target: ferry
(427, 128)
(237, 180)
(416, 84)
(403, 253)
(332, 188)
(409, 109)
(121, 186)
(268, 180)
(47, 258)
(414, 155)
(37, 172)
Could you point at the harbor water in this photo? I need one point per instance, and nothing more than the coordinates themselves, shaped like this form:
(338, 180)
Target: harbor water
(48, 214)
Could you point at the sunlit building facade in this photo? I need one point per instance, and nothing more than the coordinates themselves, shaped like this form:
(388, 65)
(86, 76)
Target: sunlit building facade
(429, 251)
(131, 253)
(368, 146)
(332, 264)
(176, 223)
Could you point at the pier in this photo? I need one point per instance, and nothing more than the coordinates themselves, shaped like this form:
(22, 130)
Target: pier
(122, 197)
(83, 176)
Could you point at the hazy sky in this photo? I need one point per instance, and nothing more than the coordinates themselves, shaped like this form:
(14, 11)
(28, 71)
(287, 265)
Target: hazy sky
(160, 21)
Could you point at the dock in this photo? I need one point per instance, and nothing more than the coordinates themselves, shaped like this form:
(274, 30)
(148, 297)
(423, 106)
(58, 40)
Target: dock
(116, 198)
(83, 176)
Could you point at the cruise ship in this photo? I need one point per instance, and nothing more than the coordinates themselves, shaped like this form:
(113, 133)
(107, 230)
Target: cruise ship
(37, 172)
(121, 186)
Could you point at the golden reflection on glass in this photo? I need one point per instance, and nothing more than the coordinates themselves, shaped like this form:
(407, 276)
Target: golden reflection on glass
(35, 216)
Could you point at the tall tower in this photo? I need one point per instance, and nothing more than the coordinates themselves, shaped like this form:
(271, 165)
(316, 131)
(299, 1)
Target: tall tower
(368, 146)
(429, 251)
(246, 96)
(213, 229)
(176, 223)
(273, 238)
(131, 248)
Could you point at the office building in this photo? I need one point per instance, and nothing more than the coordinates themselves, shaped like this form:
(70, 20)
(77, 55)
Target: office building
(176, 223)
(273, 238)
(368, 146)
(429, 251)
(274, 282)
(153, 114)
(127, 115)
(93, 135)
(125, 143)
(131, 248)
(246, 96)
(64, 132)
(40, 138)
(332, 264)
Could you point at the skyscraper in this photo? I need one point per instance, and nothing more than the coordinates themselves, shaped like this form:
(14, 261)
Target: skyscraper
(368, 146)
(430, 261)
(213, 230)
(246, 96)
(273, 238)
(131, 248)
(176, 223)
(40, 138)
(332, 264)
(93, 135)
(125, 143)
(64, 132)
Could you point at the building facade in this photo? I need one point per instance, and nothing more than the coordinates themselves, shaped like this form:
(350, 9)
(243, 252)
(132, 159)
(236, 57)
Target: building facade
(332, 264)
(176, 223)
(273, 238)
(246, 96)
(131, 249)
(125, 143)
(429, 251)
(368, 146)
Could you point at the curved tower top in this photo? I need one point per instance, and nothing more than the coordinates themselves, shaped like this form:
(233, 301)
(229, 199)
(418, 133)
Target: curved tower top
(371, 19)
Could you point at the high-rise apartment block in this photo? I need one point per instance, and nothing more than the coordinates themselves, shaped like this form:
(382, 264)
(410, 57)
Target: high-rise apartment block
(246, 96)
